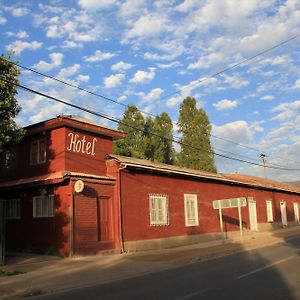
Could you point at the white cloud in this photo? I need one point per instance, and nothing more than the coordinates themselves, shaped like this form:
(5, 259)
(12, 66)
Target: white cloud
(285, 115)
(113, 80)
(238, 131)
(153, 95)
(20, 46)
(207, 61)
(287, 106)
(147, 26)
(83, 78)
(225, 104)
(71, 45)
(69, 71)
(2, 20)
(173, 64)
(297, 84)
(56, 61)
(143, 76)
(96, 4)
(235, 81)
(17, 11)
(267, 98)
(121, 66)
(99, 56)
(21, 34)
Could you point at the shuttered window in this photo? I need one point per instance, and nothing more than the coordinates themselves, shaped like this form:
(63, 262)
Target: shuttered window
(191, 210)
(269, 211)
(159, 214)
(13, 208)
(38, 152)
(43, 206)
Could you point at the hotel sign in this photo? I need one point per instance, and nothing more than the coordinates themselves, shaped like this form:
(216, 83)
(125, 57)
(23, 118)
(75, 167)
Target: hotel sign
(81, 144)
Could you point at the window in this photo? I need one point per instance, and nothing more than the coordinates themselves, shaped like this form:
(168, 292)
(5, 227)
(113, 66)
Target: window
(38, 152)
(158, 209)
(8, 159)
(43, 206)
(13, 208)
(191, 210)
(269, 211)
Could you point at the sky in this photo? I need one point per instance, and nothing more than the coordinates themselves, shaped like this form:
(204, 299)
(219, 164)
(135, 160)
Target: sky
(153, 54)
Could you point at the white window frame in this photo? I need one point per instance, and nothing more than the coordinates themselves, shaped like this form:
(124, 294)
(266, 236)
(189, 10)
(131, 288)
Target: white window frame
(296, 211)
(159, 210)
(191, 210)
(13, 208)
(40, 156)
(43, 206)
(269, 208)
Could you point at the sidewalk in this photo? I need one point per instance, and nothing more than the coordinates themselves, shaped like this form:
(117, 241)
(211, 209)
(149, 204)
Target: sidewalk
(48, 274)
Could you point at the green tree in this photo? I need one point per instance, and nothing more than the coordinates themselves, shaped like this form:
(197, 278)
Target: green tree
(133, 144)
(10, 133)
(196, 151)
(162, 140)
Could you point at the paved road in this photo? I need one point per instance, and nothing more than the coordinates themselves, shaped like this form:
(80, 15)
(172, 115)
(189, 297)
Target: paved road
(267, 273)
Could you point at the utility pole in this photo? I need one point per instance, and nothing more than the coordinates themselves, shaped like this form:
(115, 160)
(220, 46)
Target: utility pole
(264, 161)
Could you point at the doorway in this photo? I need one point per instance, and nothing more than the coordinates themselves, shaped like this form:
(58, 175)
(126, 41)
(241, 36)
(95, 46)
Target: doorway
(252, 214)
(283, 213)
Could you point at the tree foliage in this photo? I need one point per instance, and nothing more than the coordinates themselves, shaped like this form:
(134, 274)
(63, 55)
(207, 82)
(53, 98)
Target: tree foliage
(152, 141)
(162, 141)
(196, 151)
(133, 124)
(10, 133)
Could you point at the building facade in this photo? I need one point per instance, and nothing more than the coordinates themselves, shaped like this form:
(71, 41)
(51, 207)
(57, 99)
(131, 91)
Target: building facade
(65, 192)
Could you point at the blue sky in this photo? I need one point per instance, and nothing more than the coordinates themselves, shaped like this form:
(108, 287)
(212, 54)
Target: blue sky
(140, 52)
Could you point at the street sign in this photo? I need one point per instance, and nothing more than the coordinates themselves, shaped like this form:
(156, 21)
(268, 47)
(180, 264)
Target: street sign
(230, 203)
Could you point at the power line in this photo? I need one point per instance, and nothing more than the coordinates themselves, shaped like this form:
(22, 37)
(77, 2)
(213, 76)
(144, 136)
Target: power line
(231, 67)
(116, 102)
(110, 118)
(168, 95)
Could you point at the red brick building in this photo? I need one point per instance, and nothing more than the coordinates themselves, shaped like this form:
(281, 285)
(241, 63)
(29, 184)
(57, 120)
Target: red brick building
(66, 192)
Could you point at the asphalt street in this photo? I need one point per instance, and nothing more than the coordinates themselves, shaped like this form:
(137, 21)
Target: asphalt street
(265, 273)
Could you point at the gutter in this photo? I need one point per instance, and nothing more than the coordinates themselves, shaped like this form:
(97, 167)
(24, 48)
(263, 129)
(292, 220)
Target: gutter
(123, 167)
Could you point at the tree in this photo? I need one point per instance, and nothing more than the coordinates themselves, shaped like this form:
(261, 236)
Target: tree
(10, 133)
(133, 124)
(196, 151)
(162, 140)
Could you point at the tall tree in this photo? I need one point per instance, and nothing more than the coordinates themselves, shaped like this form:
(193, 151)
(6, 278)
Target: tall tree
(133, 124)
(196, 151)
(162, 140)
(10, 133)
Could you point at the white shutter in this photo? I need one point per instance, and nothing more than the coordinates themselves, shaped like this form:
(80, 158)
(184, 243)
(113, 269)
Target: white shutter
(158, 205)
(269, 211)
(191, 210)
(296, 212)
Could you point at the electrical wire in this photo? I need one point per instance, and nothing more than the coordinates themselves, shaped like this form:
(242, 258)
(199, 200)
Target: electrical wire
(229, 68)
(171, 94)
(110, 118)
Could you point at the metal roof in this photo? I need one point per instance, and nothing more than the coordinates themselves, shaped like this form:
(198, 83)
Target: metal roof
(239, 179)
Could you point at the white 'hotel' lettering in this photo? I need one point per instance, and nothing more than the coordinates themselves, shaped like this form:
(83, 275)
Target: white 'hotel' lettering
(78, 144)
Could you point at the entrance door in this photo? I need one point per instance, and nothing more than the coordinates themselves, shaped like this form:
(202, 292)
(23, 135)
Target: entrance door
(283, 213)
(252, 214)
(2, 232)
(296, 212)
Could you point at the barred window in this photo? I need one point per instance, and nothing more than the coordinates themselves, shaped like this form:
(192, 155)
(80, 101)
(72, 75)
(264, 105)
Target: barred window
(13, 208)
(43, 206)
(159, 214)
(191, 210)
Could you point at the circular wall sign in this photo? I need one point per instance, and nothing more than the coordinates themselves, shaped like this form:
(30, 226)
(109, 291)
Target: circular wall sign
(78, 186)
